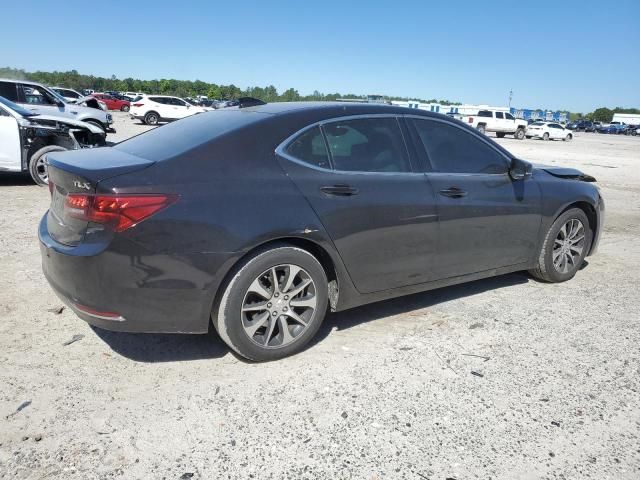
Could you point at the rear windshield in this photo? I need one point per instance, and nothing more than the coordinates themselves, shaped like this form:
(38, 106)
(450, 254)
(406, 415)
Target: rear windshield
(178, 137)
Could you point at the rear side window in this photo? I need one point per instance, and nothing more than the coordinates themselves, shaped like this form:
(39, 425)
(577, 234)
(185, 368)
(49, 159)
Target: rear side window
(367, 145)
(310, 148)
(158, 100)
(499, 115)
(8, 90)
(453, 150)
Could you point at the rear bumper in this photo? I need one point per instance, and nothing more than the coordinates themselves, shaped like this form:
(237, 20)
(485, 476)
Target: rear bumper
(143, 291)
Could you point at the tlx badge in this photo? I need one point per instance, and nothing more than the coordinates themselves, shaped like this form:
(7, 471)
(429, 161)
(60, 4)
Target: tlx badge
(85, 185)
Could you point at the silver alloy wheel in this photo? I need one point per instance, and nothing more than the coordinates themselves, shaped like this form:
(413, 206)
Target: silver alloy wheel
(568, 246)
(278, 306)
(41, 169)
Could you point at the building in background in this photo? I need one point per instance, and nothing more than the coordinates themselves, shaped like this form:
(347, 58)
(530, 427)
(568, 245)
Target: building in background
(472, 109)
(627, 118)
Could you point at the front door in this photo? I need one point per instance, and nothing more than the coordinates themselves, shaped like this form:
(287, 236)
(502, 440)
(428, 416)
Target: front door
(10, 158)
(487, 220)
(378, 210)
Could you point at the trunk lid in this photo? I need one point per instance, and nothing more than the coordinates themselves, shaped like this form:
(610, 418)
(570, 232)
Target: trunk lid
(79, 172)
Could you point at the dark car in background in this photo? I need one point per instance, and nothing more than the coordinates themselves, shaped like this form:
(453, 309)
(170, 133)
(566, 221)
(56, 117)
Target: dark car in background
(581, 125)
(260, 219)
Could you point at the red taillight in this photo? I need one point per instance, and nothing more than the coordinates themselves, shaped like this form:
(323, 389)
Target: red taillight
(138, 104)
(470, 120)
(98, 313)
(119, 211)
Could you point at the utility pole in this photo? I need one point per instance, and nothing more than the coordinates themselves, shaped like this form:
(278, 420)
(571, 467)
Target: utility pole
(510, 97)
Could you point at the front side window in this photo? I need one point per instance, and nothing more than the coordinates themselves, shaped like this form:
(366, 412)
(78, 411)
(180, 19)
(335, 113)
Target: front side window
(508, 116)
(178, 102)
(310, 148)
(37, 95)
(454, 150)
(367, 145)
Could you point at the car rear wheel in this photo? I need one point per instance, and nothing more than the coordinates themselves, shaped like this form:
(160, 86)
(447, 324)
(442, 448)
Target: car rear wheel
(568, 138)
(545, 137)
(151, 118)
(565, 246)
(125, 108)
(37, 165)
(500, 134)
(273, 304)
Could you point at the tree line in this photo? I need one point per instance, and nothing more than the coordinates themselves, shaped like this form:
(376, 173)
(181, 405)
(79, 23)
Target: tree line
(188, 88)
(180, 88)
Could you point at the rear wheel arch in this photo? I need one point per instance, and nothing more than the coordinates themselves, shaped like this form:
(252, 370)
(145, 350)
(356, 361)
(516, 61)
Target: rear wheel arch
(316, 250)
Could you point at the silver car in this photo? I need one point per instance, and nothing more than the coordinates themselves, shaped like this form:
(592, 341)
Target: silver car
(40, 99)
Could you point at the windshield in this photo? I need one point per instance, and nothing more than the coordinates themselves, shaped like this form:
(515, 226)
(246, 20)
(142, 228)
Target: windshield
(56, 95)
(17, 108)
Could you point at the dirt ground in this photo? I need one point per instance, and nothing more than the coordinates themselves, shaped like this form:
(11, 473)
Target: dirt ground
(505, 378)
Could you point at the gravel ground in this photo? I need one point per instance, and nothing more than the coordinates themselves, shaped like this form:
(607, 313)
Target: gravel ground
(505, 378)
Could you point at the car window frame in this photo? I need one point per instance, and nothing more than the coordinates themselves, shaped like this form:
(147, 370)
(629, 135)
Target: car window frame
(428, 165)
(281, 149)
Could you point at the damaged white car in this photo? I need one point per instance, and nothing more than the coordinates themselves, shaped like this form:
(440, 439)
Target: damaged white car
(26, 137)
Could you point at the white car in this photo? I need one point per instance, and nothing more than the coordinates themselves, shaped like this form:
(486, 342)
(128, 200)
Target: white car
(498, 121)
(69, 94)
(548, 131)
(152, 109)
(26, 137)
(132, 95)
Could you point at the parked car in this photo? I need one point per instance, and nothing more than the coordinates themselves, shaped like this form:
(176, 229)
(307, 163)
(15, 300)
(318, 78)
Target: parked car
(132, 94)
(549, 131)
(69, 94)
(112, 102)
(503, 123)
(27, 137)
(40, 99)
(152, 109)
(612, 128)
(259, 219)
(581, 125)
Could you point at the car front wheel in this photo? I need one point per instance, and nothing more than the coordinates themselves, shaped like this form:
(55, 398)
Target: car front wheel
(273, 304)
(565, 246)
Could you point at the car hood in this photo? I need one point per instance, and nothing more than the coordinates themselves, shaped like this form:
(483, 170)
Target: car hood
(68, 121)
(566, 172)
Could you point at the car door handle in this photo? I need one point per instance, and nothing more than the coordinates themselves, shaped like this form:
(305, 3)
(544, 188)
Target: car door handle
(453, 192)
(340, 190)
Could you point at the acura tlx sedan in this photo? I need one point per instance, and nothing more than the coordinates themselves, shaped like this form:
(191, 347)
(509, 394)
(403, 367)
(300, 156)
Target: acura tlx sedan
(260, 219)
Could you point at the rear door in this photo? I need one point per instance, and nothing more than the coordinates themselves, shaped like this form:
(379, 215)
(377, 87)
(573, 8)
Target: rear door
(500, 124)
(487, 220)
(379, 210)
(10, 158)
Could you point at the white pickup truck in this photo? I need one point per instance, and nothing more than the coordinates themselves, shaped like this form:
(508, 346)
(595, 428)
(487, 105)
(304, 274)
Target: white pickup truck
(503, 123)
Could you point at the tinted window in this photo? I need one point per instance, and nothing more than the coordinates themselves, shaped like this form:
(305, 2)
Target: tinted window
(453, 150)
(37, 95)
(158, 100)
(484, 113)
(508, 116)
(499, 115)
(310, 148)
(177, 101)
(8, 91)
(367, 145)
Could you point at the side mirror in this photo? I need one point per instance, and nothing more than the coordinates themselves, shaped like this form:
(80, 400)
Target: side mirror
(520, 170)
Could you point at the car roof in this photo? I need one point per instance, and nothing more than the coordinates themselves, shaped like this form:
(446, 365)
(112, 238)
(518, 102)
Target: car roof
(13, 80)
(338, 109)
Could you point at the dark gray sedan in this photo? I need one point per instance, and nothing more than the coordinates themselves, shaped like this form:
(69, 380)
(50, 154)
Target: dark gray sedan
(260, 219)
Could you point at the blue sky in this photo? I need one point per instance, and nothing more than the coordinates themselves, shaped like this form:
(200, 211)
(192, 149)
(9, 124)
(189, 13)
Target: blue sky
(575, 55)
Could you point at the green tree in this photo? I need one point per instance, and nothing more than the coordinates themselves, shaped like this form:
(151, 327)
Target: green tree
(602, 114)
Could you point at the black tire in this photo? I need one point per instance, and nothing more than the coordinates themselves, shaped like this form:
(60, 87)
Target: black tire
(545, 269)
(125, 108)
(227, 316)
(528, 137)
(519, 135)
(481, 128)
(37, 168)
(500, 134)
(545, 136)
(568, 138)
(151, 118)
